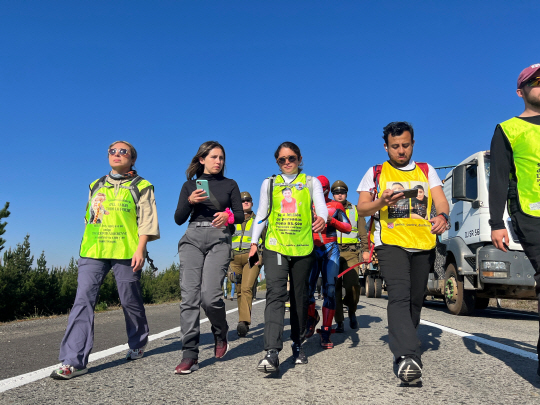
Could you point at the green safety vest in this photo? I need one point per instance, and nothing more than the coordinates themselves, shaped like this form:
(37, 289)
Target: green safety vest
(241, 239)
(289, 224)
(352, 236)
(111, 230)
(524, 138)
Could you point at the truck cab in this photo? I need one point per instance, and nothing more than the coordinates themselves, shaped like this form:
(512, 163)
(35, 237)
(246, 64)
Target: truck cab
(473, 270)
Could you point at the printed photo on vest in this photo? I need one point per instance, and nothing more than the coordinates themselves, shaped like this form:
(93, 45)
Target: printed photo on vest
(288, 204)
(97, 210)
(401, 208)
(420, 203)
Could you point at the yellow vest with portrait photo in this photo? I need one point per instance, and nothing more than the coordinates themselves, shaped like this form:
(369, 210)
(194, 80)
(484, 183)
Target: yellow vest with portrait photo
(406, 224)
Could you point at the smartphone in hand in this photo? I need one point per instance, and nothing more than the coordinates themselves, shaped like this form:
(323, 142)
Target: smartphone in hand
(253, 260)
(408, 193)
(203, 185)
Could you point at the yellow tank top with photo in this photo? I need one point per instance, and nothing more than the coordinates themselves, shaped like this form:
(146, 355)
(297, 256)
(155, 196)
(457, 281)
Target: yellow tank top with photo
(406, 224)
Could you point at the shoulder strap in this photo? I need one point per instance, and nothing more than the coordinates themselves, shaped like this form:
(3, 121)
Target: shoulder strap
(377, 169)
(309, 184)
(135, 193)
(97, 185)
(270, 200)
(424, 167)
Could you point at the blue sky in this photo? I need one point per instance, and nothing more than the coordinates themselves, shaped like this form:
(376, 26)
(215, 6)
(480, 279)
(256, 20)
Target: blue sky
(169, 75)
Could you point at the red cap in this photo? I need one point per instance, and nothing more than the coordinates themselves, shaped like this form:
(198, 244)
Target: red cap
(325, 184)
(526, 74)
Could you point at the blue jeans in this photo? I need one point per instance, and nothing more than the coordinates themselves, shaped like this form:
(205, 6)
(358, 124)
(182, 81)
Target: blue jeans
(327, 263)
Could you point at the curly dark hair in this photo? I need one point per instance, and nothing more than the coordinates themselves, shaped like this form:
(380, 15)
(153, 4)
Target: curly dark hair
(396, 129)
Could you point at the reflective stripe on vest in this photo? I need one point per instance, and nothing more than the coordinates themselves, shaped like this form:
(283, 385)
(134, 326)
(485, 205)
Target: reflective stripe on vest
(289, 224)
(242, 239)
(351, 237)
(406, 224)
(524, 138)
(111, 230)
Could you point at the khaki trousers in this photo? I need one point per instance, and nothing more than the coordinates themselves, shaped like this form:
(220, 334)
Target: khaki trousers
(239, 265)
(350, 282)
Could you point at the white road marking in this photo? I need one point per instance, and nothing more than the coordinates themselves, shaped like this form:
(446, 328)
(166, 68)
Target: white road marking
(23, 379)
(500, 346)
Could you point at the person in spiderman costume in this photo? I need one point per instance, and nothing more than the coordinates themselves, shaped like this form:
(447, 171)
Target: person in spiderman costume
(327, 262)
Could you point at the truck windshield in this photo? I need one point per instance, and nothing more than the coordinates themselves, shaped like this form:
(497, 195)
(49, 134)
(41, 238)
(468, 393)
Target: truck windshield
(487, 165)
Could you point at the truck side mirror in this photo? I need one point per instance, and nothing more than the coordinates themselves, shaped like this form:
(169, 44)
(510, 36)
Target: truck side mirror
(459, 183)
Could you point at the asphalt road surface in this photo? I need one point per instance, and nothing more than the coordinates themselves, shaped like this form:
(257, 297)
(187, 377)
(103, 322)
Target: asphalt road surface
(489, 358)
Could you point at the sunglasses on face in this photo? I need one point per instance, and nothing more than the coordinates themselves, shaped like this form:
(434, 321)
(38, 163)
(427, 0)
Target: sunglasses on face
(339, 192)
(283, 159)
(534, 82)
(121, 152)
(246, 200)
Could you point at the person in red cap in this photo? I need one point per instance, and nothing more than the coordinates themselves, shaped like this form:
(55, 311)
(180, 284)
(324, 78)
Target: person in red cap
(515, 175)
(327, 262)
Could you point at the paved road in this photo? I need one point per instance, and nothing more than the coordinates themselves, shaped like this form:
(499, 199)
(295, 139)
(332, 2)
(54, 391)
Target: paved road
(458, 370)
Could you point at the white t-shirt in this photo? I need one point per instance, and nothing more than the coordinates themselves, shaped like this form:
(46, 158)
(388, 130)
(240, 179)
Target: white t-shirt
(318, 201)
(367, 184)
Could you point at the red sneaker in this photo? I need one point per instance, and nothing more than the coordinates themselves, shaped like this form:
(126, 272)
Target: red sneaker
(221, 348)
(186, 366)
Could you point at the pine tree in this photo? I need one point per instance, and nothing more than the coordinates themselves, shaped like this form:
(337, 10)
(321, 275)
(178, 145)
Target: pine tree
(4, 213)
(14, 275)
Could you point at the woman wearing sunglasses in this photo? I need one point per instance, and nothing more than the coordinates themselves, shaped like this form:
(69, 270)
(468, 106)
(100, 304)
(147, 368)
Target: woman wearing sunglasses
(205, 249)
(288, 250)
(121, 218)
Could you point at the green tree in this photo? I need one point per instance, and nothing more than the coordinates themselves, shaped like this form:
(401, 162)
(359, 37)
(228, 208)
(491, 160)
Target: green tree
(4, 213)
(13, 277)
(68, 285)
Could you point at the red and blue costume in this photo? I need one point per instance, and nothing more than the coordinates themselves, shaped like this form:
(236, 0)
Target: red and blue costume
(327, 262)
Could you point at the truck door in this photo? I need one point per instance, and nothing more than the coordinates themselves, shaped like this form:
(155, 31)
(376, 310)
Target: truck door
(466, 222)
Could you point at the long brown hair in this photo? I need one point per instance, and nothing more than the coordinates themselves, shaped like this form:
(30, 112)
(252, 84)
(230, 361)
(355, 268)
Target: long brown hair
(195, 168)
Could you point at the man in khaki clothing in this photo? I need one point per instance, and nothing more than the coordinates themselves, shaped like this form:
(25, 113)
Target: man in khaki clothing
(239, 270)
(350, 247)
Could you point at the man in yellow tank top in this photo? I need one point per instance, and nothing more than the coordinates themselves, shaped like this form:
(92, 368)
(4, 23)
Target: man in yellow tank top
(404, 241)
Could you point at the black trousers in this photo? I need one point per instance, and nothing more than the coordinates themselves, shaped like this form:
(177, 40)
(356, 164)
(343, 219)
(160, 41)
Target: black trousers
(528, 231)
(406, 276)
(278, 268)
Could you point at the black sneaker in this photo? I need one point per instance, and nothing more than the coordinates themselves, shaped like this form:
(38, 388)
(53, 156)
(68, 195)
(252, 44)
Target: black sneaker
(270, 363)
(340, 328)
(242, 329)
(298, 354)
(409, 371)
(353, 322)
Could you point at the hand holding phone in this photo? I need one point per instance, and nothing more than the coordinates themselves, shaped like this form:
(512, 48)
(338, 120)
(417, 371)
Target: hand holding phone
(407, 193)
(203, 185)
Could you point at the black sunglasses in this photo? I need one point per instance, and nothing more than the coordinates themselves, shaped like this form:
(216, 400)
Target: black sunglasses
(246, 200)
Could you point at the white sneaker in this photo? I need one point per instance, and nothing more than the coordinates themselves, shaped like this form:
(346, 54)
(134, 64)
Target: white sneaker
(65, 372)
(134, 354)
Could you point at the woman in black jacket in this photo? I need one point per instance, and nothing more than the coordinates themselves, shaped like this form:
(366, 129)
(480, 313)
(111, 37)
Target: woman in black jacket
(204, 250)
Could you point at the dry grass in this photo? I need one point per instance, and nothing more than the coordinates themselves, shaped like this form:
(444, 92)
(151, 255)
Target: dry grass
(522, 305)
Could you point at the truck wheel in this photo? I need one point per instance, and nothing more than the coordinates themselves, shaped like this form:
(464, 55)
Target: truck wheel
(370, 286)
(481, 303)
(378, 287)
(363, 286)
(458, 300)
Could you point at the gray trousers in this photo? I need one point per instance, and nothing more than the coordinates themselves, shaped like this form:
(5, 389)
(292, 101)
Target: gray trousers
(79, 337)
(204, 259)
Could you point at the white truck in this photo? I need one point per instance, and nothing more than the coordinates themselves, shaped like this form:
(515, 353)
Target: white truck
(473, 270)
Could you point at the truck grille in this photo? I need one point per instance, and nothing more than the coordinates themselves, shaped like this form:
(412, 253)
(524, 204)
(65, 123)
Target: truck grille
(471, 260)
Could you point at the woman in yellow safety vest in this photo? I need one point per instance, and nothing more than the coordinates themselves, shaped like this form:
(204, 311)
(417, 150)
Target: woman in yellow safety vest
(121, 218)
(288, 249)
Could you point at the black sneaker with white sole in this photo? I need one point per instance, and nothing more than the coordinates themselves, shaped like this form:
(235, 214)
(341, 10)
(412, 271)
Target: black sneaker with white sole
(409, 371)
(270, 362)
(298, 354)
